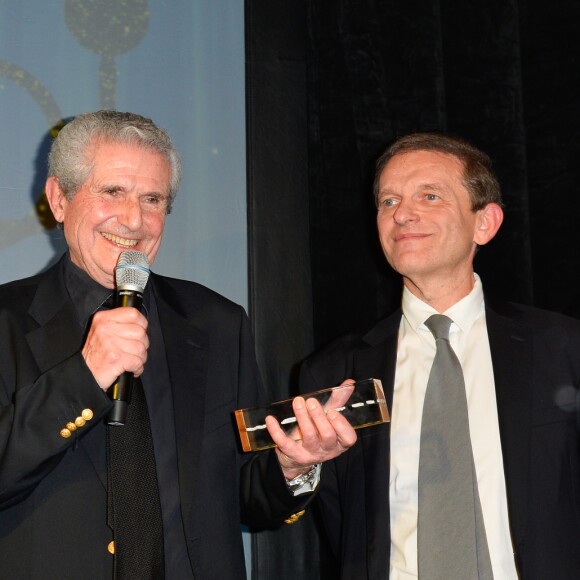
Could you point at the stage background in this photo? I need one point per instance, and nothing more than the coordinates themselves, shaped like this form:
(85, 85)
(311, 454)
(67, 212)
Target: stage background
(180, 62)
(329, 83)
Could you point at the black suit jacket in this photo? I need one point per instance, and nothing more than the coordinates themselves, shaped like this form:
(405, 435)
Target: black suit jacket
(536, 363)
(53, 490)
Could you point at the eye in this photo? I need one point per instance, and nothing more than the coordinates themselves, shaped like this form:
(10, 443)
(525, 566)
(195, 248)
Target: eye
(387, 202)
(155, 201)
(431, 197)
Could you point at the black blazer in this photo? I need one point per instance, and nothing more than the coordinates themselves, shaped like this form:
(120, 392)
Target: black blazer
(53, 490)
(536, 363)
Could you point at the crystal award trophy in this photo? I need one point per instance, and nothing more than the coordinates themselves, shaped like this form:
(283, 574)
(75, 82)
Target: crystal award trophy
(361, 403)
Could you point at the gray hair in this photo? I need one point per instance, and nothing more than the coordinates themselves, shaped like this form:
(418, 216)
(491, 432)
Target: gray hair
(70, 161)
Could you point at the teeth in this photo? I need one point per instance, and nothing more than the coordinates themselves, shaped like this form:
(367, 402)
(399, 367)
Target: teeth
(119, 241)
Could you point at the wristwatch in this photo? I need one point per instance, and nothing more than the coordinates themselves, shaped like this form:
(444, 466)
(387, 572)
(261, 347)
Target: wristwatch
(305, 481)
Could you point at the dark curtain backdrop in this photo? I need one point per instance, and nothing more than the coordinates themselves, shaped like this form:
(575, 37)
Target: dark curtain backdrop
(330, 84)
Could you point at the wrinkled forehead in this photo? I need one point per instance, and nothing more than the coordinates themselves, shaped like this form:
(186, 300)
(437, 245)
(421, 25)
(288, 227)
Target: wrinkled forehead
(422, 165)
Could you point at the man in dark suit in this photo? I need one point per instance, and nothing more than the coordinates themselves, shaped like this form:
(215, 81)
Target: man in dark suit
(437, 202)
(64, 510)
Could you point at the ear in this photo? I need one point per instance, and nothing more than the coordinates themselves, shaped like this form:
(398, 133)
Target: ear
(488, 222)
(56, 199)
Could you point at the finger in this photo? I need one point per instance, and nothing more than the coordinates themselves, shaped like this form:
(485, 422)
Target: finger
(134, 361)
(324, 435)
(276, 432)
(339, 397)
(116, 343)
(311, 418)
(345, 433)
(348, 382)
(290, 451)
(304, 422)
(117, 320)
(279, 435)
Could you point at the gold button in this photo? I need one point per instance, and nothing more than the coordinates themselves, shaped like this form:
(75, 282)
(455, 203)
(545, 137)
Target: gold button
(65, 433)
(294, 517)
(80, 422)
(111, 547)
(71, 426)
(87, 414)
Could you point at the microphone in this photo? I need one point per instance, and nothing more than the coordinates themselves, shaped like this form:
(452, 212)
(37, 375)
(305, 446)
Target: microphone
(131, 276)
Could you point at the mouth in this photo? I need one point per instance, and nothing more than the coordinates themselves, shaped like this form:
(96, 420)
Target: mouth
(411, 237)
(123, 242)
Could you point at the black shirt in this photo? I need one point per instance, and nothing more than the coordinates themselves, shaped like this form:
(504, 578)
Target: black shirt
(88, 296)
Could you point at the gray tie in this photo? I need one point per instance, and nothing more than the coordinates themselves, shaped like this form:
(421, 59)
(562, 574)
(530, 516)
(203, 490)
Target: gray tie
(451, 541)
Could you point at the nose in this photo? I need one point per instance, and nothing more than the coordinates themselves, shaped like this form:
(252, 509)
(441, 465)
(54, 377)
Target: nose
(130, 214)
(405, 213)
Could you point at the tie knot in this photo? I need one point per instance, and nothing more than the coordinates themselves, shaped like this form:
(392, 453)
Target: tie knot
(439, 325)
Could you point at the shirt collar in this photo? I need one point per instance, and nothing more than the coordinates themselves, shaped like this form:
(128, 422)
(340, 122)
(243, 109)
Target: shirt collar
(86, 294)
(463, 313)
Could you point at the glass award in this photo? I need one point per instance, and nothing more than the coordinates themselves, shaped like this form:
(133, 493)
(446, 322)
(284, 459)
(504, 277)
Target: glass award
(362, 404)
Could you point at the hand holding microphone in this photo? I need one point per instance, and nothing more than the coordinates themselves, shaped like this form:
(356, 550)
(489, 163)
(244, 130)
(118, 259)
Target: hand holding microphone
(116, 346)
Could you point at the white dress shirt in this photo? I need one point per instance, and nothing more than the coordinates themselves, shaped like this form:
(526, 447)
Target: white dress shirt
(416, 351)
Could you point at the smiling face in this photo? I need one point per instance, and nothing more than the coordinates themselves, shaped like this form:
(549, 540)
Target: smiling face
(122, 205)
(427, 228)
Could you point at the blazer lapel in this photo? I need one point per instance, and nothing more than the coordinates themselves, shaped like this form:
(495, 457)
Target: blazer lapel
(58, 337)
(187, 358)
(509, 342)
(59, 334)
(378, 361)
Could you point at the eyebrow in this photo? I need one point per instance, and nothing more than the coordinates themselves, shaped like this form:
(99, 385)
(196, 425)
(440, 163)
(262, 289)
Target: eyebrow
(122, 188)
(432, 187)
(109, 186)
(421, 187)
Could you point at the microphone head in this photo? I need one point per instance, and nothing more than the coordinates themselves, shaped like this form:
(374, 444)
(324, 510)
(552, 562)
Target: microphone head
(132, 271)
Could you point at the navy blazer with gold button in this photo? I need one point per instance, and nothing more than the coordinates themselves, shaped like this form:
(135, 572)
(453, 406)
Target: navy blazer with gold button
(53, 483)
